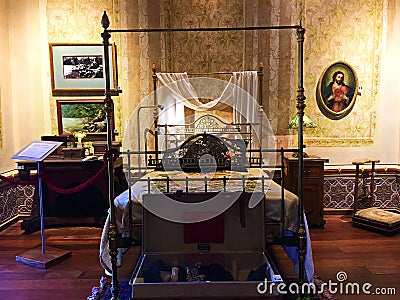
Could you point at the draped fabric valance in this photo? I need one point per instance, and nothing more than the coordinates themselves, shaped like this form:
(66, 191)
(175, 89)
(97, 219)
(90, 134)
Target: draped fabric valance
(179, 91)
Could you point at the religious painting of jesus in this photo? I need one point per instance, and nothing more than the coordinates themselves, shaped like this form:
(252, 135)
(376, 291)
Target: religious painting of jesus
(337, 90)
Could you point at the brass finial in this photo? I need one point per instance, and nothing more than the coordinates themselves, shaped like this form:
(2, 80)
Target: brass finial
(260, 66)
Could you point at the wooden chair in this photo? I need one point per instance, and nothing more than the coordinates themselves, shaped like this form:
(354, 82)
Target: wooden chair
(366, 215)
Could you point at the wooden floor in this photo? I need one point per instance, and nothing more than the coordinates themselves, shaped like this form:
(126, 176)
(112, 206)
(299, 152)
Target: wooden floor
(70, 279)
(364, 256)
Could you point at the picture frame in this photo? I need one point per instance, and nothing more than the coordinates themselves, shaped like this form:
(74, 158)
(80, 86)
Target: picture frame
(337, 90)
(78, 69)
(86, 115)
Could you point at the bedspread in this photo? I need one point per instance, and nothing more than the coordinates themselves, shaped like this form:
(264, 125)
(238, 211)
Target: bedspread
(228, 181)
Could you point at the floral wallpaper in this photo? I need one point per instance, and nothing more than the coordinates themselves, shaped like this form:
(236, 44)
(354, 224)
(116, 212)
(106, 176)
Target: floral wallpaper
(79, 21)
(350, 32)
(206, 51)
(229, 51)
(334, 32)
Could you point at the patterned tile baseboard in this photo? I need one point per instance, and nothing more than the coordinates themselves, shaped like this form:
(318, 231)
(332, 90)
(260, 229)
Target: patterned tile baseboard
(17, 200)
(338, 192)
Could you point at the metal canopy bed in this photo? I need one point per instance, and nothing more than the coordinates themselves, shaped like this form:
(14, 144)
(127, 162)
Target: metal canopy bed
(171, 159)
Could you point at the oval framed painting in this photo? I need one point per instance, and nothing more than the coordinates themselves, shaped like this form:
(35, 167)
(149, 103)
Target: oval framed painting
(337, 90)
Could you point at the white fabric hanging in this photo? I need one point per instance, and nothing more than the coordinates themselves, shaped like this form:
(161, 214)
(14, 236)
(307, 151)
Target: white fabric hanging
(240, 93)
(245, 106)
(177, 91)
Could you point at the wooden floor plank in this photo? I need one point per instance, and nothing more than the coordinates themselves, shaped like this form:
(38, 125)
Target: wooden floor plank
(364, 256)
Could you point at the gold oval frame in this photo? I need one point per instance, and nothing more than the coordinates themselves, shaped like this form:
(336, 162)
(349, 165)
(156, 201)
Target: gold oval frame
(350, 79)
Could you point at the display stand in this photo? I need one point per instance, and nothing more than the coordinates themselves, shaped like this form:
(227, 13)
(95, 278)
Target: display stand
(40, 258)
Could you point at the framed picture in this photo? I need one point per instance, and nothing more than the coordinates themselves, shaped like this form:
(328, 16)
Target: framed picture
(78, 69)
(83, 115)
(337, 90)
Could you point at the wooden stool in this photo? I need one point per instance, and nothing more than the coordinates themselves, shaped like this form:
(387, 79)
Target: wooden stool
(386, 221)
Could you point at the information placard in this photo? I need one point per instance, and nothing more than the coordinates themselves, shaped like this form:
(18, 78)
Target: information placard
(37, 150)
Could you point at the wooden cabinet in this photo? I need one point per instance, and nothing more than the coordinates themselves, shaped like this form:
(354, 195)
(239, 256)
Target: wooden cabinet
(313, 186)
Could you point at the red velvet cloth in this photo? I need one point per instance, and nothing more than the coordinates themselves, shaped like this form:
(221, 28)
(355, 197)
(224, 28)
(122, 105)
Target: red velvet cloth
(209, 231)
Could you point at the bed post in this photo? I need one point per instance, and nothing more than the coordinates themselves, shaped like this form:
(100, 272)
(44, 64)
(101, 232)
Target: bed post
(261, 112)
(260, 81)
(155, 113)
(355, 202)
(302, 249)
(108, 103)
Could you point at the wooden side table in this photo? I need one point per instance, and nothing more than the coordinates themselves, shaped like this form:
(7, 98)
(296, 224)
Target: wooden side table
(313, 186)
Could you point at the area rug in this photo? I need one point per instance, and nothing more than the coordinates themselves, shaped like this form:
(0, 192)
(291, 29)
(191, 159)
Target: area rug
(104, 291)
(325, 295)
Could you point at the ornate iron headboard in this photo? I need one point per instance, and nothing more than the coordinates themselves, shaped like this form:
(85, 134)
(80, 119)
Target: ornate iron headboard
(175, 134)
(213, 132)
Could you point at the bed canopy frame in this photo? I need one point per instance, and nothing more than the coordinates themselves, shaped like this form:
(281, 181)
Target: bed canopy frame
(115, 239)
